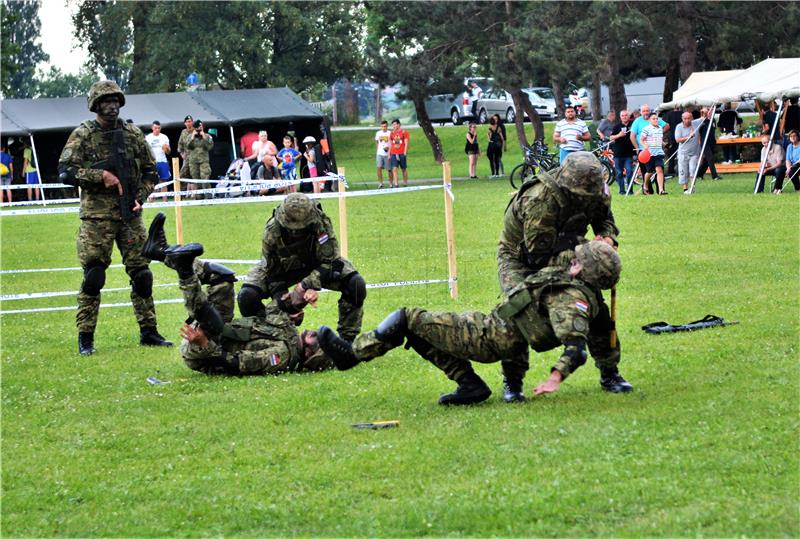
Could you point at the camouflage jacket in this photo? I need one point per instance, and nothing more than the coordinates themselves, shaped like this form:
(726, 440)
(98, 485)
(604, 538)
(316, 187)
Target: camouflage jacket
(310, 259)
(85, 152)
(550, 309)
(197, 149)
(184, 137)
(253, 345)
(541, 227)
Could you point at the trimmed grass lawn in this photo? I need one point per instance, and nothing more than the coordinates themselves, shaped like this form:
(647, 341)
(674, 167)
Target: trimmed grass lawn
(707, 444)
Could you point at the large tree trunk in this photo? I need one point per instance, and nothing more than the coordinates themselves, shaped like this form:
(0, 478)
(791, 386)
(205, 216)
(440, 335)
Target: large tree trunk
(596, 97)
(378, 105)
(424, 122)
(686, 41)
(558, 94)
(673, 74)
(136, 80)
(617, 99)
(350, 103)
(522, 106)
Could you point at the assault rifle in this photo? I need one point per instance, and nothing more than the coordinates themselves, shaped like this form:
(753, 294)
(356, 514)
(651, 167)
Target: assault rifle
(119, 165)
(709, 321)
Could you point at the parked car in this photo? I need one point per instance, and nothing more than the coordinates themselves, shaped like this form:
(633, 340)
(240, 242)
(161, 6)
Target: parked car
(458, 108)
(542, 97)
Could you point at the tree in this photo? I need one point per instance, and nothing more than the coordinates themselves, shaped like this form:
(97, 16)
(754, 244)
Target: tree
(56, 83)
(21, 29)
(105, 27)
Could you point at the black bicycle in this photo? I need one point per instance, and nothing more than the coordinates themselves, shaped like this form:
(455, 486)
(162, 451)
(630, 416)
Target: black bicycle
(536, 159)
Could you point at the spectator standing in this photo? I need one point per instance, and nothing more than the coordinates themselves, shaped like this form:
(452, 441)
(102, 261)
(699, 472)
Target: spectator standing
(197, 149)
(382, 158)
(7, 173)
(688, 149)
(502, 128)
(310, 155)
(636, 130)
(729, 122)
(774, 164)
(476, 93)
(570, 133)
(792, 162)
(623, 151)
(707, 153)
(472, 150)
(494, 151)
(674, 119)
(246, 143)
(652, 137)
(399, 151)
(606, 126)
(769, 120)
(287, 158)
(159, 147)
(183, 139)
(791, 119)
(29, 171)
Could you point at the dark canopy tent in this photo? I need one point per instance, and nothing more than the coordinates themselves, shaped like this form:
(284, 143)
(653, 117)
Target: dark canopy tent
(231, 112)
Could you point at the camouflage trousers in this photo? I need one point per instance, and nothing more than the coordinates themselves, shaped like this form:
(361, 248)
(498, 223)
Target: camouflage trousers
(451, 340)
(218, 292)
(350, 316)
(96, 238)
(196, 170)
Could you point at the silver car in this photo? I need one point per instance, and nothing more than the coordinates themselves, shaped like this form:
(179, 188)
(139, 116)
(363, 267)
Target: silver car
(458, 109)
(541, 96)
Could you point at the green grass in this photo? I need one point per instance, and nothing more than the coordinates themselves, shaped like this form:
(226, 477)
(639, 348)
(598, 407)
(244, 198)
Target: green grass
(706, 445)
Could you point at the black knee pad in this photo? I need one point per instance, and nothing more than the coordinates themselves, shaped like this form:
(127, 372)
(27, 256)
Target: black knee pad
(602, 322)
(249, 300)
(94, 278)
(575, 349)
(142, 283)
(354, 289)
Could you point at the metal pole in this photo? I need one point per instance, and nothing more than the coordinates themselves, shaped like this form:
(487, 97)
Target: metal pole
(633, 178)
(233, 143)
(769, 147)
(38, 172)
(713, 111)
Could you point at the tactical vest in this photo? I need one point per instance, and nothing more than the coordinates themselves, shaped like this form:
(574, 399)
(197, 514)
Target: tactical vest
(98, 151)
(525, 311)
(272, 328)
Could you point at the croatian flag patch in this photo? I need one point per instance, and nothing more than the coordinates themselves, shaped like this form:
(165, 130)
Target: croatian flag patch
(322, 238)
(582, 306)
(274, 359)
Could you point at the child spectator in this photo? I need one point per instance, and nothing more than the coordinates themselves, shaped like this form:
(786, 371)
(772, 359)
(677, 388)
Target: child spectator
(287, 158)
(382, 158)
(6, 172)
(310, 155)
(652, 137)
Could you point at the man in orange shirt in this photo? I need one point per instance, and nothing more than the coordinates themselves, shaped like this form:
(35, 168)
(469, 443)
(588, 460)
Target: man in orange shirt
(398, 152)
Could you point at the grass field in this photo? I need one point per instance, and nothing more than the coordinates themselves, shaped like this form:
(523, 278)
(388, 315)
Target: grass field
(707, 444)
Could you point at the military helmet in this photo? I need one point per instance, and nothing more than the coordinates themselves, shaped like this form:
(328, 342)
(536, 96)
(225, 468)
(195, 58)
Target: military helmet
(581, 174)
(296, 212)
(601, 264)
(101, 89)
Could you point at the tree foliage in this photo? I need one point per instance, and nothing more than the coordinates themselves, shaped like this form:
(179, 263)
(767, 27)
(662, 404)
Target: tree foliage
(21, 50)
(56, 83)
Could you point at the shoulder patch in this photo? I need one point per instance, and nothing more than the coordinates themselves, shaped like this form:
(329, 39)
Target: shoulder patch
(582, 306)
(580, 325)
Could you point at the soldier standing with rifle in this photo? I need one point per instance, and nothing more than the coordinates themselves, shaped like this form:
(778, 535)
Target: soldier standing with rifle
(112, 164)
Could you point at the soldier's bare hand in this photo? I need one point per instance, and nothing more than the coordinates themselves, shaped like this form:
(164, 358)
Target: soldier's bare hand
(311, 296)
(110, 180)
(136, 206)
(605, 239)
(551, 385)
(194, 335)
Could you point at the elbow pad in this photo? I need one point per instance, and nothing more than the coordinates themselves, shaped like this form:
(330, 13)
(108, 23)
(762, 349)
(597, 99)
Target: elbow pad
(67, 175)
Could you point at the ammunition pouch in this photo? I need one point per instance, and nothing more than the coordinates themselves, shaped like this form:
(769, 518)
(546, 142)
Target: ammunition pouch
(522, 311)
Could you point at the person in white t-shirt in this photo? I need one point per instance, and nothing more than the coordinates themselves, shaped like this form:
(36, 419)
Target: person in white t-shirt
(570, 133)
(383, 160)
(476, 93)
(159, 147)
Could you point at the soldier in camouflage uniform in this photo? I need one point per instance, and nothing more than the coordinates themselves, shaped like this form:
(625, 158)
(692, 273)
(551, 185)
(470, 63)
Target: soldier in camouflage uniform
(299, 246)
(543, 224)
(184, 137)
(268, 344)
(112, 164)
(197, 147)
(550, 308)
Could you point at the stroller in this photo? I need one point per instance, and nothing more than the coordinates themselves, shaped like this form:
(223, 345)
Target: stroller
(238, 174)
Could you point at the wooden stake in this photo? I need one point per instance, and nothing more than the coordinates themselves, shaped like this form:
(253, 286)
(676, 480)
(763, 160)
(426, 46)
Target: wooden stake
(342, 216)
(176, 186)
(452, 273)
(613, 317)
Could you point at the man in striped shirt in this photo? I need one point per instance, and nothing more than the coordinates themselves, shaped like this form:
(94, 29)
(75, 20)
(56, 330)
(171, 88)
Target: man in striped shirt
(570, 133)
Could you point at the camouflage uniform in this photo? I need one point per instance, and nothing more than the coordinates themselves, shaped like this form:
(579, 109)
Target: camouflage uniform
(197, 159)
(246, 346)
(184, 137)
(83, 160)
(311, 259)
(544, 222)
(547, 310)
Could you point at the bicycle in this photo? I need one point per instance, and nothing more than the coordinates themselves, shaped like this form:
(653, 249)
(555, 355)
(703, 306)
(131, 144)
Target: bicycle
(606, 157)
(536, 158)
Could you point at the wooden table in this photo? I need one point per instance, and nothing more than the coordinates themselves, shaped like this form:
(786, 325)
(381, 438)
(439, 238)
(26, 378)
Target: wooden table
(738, 167)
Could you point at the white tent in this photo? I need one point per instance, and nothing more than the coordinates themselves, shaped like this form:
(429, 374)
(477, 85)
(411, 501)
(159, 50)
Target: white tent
(771, 79)
(700, 80)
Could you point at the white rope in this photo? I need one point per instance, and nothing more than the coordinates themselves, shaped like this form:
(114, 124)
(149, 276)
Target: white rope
(78, 268)
(41, 202)
(40, 186)
(175, 300)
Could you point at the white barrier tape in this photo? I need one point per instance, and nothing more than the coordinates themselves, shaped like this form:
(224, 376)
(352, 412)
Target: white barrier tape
(449, 190)
(39, 295)
(244, 188)
(240, 200)
(40, 186)
(45, 270)
(328, 175)
(161, 301)
(41, 202)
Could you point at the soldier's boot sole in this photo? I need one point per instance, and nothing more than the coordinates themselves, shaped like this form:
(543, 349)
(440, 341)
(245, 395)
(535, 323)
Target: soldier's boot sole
(156, 244)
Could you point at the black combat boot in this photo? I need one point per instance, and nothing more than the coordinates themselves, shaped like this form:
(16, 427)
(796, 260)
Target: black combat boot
(392, 329)
(612, 380)
(86, 343)
(471, 390)
(181, 258)
(156, 244)
(512, 390)
(339, 350)
(149, 336)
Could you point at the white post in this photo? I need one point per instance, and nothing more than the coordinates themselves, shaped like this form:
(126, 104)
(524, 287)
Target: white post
(633, 178)
(343, 240)
(233, 143)
(713, 111)
(38, 169)
(450, 231)
(769, 147)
